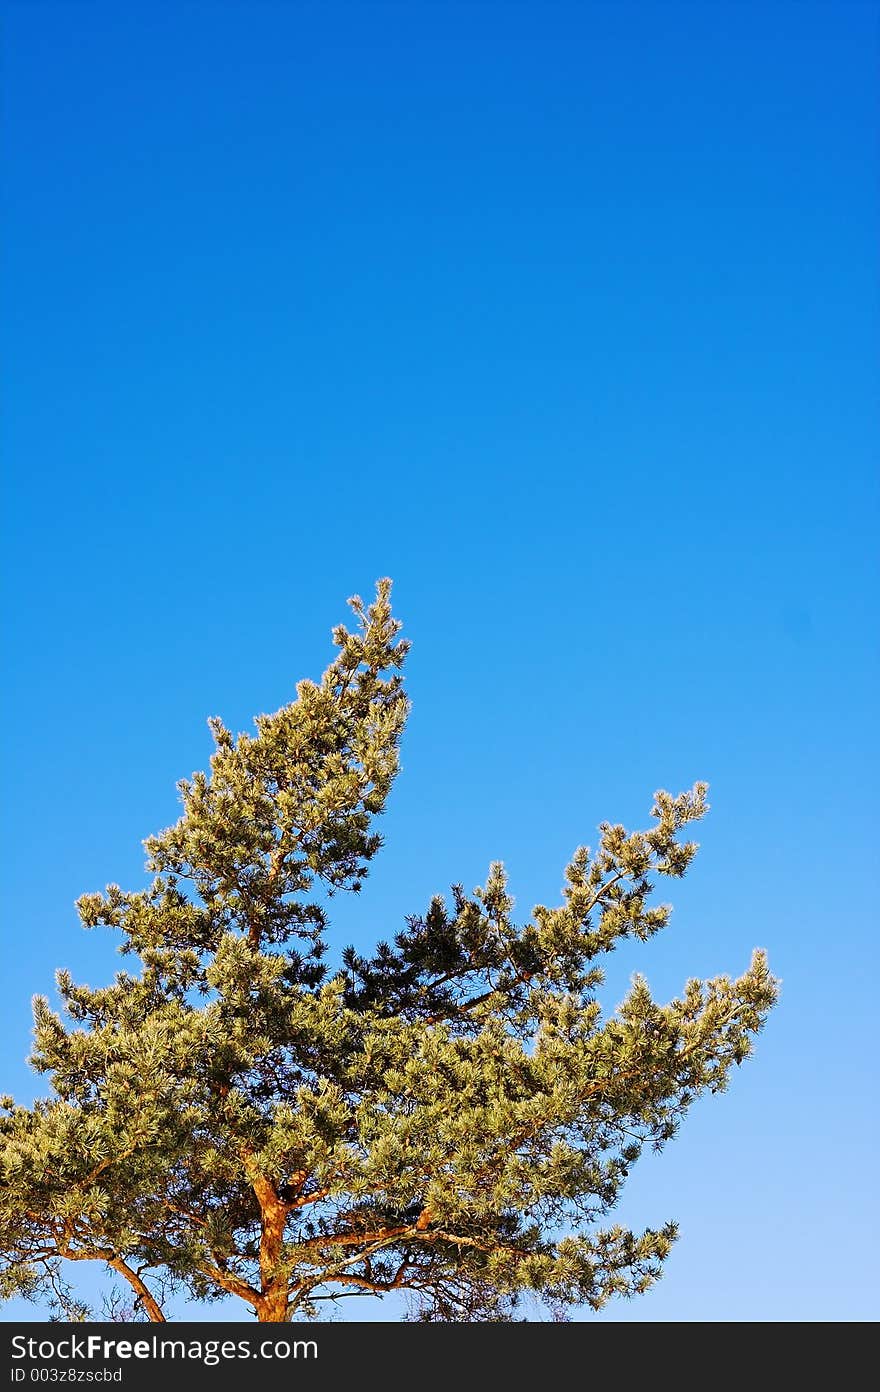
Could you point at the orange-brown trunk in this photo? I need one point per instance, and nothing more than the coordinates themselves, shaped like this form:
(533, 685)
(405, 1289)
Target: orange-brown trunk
(272, 1309)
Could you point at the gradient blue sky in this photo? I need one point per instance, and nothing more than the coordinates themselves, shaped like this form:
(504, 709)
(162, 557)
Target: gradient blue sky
(565, 316)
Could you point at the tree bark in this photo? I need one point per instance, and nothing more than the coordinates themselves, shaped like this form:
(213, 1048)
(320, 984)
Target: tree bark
(150, 1304)
(272, 1308)
(274, 1292)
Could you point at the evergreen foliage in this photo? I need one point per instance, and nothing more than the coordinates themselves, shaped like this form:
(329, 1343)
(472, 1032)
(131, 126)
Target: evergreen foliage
(450, 1116)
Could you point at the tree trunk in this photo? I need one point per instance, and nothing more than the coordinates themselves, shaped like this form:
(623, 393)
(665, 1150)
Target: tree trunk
(272, 1309)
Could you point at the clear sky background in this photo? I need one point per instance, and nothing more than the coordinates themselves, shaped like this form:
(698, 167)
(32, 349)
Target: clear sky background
(565, 316)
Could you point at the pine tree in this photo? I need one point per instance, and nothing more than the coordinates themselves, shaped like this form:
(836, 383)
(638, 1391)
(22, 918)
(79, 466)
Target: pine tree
(450, 1116)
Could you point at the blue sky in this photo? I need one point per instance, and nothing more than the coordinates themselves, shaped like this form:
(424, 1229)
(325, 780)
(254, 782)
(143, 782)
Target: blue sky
(564, 316)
